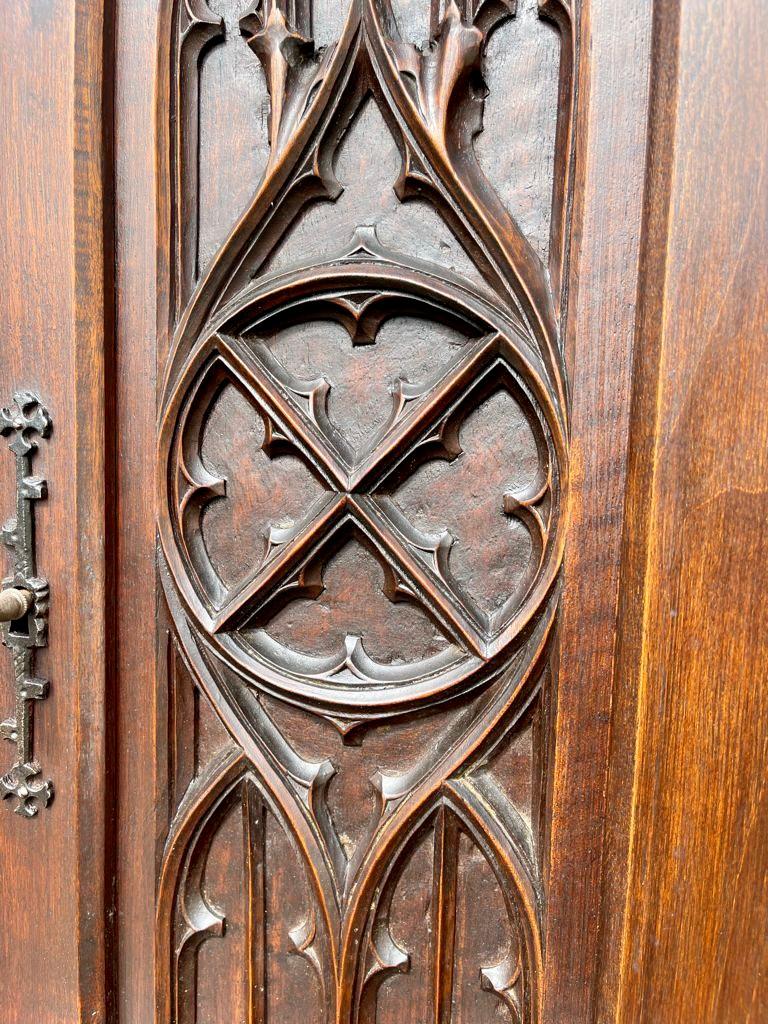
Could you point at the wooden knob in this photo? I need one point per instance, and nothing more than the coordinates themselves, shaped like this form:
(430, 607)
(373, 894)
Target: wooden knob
(14, 604)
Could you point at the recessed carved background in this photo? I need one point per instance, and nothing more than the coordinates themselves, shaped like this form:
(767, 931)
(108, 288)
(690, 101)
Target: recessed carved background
(362, 475)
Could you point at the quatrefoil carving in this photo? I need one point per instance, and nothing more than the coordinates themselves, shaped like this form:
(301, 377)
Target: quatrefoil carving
(357, 490)
(415, 489)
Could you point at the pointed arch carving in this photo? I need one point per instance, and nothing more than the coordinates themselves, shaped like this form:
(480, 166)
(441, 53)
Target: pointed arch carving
(231, 329)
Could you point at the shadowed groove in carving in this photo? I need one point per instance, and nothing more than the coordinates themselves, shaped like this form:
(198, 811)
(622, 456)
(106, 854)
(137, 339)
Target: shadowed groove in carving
(431, 99)
(490, 362)
(515, 978)
(195, 27)
(520, 69)
(187, 918)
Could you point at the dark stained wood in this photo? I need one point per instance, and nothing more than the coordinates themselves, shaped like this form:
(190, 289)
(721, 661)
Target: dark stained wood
(142, 710)
(407, 511)
(362, 470)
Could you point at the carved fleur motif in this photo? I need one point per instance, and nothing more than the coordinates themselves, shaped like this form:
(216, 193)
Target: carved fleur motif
(492, 647)
(528, 507)
(505, 980)
(290, 65)
(304, 939)
(442, 70)
(445, 75)
(384, 956)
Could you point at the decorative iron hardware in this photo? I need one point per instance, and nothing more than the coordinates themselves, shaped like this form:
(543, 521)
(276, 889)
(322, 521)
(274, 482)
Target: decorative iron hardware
(24, 604)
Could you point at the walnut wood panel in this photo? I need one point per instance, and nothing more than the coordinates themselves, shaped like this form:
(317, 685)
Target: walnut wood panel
(422, 562)
(362, 481)
(606, 278)
(428, 681)
(693, 938)
(55, 335)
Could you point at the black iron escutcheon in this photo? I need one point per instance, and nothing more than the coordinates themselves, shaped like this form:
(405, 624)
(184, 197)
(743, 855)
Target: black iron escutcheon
(23, 419)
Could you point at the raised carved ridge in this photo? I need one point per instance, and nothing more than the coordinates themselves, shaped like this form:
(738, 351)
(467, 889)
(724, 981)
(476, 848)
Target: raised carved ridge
(490, 647)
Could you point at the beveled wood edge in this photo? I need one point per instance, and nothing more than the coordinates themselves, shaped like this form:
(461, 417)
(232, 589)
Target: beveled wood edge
(638, 526)
(611, 119)
(94, 633)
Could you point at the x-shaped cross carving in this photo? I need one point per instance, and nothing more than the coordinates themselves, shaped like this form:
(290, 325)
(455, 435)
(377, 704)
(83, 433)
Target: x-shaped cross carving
(425, 425)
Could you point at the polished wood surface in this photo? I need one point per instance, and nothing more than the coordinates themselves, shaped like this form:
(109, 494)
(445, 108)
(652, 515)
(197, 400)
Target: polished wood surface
(362, 477)
(407, 511)
(56, 252)
(600, 337)
(694, 928)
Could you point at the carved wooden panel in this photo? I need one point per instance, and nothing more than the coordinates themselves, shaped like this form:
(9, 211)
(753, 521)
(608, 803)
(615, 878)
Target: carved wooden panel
(362, 474)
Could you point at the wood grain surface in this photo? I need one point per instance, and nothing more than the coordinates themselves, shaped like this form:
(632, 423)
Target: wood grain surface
(55, 309)
(408, 510)
(694, 941)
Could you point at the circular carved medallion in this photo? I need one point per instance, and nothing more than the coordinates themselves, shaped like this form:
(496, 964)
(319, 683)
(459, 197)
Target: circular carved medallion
(348, 535)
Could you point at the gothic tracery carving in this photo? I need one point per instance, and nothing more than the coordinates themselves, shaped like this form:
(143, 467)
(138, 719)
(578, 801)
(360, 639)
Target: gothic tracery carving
(479, 659)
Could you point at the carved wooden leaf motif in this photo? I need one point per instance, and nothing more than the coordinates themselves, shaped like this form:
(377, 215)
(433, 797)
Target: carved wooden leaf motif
(362, 468)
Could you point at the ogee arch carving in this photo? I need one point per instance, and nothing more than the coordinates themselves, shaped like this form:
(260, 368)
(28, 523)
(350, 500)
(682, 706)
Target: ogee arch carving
(372, 582)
